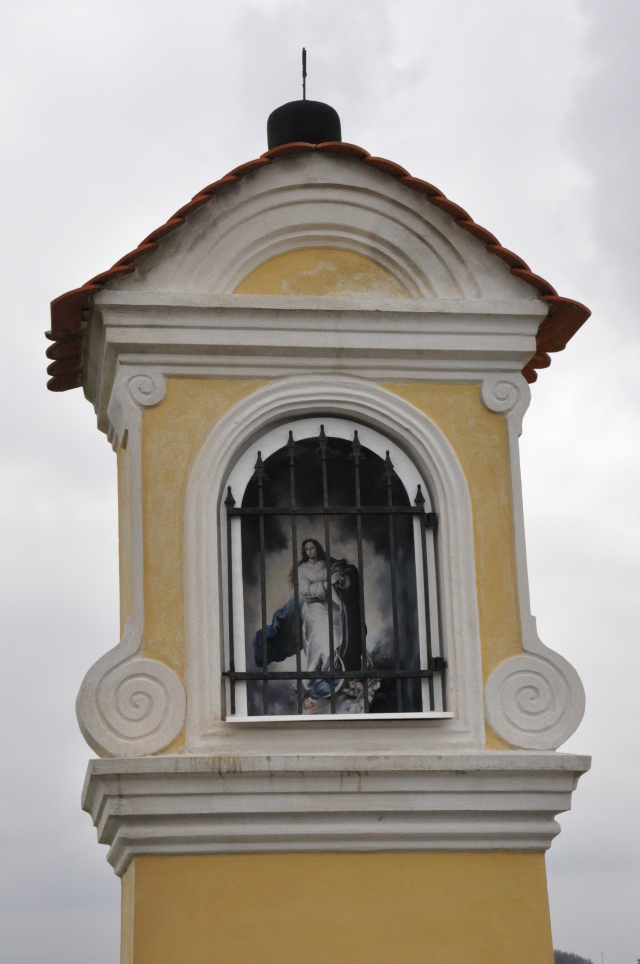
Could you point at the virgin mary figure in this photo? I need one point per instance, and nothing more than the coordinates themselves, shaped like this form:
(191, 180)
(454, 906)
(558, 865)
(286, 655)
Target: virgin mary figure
(314, 575)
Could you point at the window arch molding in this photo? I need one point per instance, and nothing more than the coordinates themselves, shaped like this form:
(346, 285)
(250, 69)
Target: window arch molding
(295, 445)
(427, 448)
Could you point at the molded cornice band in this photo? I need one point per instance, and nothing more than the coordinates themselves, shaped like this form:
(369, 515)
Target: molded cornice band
(256, 804)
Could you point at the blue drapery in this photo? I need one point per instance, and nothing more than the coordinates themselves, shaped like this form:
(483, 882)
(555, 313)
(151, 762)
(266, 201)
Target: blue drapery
(281, 631)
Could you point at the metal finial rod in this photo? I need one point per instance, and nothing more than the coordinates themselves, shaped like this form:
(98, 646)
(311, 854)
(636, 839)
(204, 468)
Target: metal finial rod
(304, 73)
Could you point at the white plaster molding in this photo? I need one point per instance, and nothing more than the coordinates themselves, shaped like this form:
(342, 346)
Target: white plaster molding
(318, 200)
(436, 462)
(287, 803)
(534, 701)
(464, 311)
(267, 337)
(129, 705)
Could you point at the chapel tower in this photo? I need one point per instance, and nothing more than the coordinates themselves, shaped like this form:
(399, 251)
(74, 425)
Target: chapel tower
(329, 730)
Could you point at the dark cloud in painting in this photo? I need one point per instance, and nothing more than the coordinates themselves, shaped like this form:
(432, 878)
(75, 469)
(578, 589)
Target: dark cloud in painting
(378, 484)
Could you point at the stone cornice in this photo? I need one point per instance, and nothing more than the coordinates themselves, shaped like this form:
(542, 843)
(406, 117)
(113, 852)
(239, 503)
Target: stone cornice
(237, 804)
(240, 336)
(371, 307)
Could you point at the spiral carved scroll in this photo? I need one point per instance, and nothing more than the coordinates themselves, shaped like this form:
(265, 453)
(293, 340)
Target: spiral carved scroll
(531, 704)
(501, 394)
(130, 706)
(146, 388)
(139, 699)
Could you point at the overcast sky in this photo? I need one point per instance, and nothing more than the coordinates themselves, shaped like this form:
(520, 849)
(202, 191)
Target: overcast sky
(113, 115)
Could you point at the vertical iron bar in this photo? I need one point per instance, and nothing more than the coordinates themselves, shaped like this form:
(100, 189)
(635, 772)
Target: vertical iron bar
(322, 438)
(441, 637)
(389, 474)
(291, 448)
(229, 503)
(420, 501)
(260, 474)
(356, 447)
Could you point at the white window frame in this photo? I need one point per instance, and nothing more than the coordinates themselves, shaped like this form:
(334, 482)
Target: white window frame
(242, 473)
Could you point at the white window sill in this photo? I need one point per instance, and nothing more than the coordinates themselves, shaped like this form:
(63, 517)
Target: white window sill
(339, 717)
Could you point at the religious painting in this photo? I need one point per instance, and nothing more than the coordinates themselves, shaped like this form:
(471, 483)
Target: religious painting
(330, 582)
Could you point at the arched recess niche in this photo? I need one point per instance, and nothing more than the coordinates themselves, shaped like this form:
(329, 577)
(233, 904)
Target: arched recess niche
(434, 460)
(305, 432)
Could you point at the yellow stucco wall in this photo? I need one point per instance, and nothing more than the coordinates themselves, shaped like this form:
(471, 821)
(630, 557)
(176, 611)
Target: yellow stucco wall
(172, 435)
(174, 431)
(432, 908)
(322, 272)
(479, 439)
(390, 908)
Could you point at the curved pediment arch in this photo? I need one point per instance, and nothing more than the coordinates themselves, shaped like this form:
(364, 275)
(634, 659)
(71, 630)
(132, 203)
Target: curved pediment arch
(379, 205)
(322, 201)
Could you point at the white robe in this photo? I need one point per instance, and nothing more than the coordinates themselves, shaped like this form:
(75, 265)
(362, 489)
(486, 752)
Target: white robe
(314, 609)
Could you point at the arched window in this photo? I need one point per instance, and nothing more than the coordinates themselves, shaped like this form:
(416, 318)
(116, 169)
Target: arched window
(331, 576)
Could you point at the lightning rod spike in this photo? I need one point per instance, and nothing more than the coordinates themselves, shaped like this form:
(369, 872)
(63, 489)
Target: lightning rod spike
(304, 73)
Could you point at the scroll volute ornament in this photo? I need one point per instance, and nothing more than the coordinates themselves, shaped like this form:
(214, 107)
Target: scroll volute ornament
(129, 705)
(533, 701)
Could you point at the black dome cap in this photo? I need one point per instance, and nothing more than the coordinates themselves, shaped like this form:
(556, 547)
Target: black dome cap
(303, 120)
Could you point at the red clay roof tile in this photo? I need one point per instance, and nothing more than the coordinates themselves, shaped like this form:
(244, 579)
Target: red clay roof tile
(67, 348)
(163, 230)
(68, 311)
(191, 206)
(212, 189)
(387, 167)
(423, 187)
(540, 360)
(563, 321)
(341, 147)
(513, 260)
(249, 167)
(534, 280)
(64, 383)
(103, 279)
(453, 210)
(478, 231)
(284, 150)
(137, 253)
(64, 366)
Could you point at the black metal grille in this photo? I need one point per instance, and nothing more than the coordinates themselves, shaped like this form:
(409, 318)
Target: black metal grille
(293, 511)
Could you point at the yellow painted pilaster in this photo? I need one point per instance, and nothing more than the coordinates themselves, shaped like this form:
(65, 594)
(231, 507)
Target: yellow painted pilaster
(127, 914)
(124, 534)
(479, 439)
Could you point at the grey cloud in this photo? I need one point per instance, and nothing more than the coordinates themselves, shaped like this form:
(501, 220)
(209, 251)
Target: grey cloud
(113, 115)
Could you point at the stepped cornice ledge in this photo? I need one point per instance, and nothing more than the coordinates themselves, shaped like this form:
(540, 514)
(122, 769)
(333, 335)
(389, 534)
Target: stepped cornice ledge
(329, 802)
